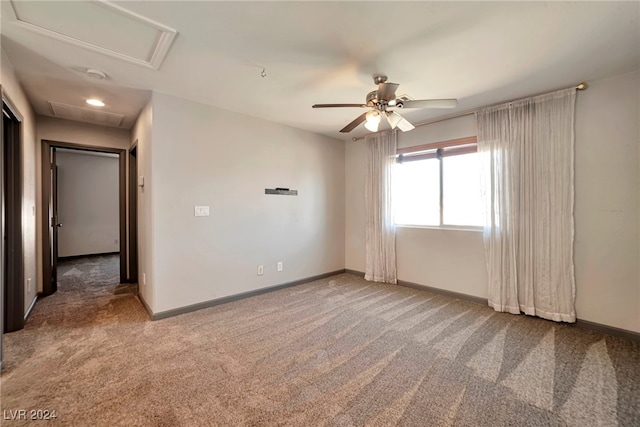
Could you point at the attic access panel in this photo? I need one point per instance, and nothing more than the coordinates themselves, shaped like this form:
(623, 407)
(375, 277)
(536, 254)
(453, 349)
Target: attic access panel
(71, 112)
(99, 26)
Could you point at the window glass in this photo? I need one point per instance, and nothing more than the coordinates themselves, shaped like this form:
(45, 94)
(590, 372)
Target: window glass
(461, 191)
(416, 192)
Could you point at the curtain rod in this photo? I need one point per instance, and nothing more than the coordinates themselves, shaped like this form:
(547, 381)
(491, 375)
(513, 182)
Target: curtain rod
(579, 86)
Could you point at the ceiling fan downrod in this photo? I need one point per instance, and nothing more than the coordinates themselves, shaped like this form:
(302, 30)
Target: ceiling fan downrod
(379, 78)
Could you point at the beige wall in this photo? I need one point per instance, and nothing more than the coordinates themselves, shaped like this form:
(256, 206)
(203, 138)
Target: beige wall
(440, 131)
(207, 156)
(88, 203)
(59, 130)
(141, 133)
(453, 260)
(607, 213)
(12, 89)
(607, 240)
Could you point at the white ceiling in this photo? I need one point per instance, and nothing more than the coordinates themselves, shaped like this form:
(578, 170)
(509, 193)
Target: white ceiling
(327, 52)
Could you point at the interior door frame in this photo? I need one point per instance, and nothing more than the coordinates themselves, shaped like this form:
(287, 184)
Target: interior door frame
(47, 286)
(13, 268)
(2, 236)
(133, 212)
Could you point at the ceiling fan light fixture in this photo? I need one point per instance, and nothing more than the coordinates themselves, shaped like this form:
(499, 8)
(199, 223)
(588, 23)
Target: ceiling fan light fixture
(393, 118)
(372, 120)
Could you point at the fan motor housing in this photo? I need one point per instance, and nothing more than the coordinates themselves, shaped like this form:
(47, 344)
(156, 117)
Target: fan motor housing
(372, 97)
(374, 102)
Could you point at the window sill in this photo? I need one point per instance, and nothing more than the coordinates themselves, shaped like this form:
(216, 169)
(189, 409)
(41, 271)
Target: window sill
(444, 227)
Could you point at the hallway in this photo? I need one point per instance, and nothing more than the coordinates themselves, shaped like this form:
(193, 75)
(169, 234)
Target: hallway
(66, 336)
(89, 292)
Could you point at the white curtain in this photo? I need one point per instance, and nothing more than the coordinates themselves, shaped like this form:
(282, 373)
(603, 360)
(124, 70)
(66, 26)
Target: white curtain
(381, 231)
(527, 154)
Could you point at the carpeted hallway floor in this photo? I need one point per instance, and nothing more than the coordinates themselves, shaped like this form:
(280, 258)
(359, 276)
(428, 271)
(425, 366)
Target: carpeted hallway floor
(336, 352)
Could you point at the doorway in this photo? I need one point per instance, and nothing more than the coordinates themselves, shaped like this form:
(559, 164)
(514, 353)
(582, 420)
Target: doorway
(12, 260)
(51, 223)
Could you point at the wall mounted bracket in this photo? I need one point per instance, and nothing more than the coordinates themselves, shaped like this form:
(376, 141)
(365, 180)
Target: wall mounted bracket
(281, 191)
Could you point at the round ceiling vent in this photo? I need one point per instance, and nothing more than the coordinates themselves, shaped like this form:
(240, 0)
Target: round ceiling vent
(96, 74)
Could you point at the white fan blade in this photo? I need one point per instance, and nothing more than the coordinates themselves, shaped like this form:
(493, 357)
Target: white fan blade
(404, 124)
(336, 105)
(429, 103)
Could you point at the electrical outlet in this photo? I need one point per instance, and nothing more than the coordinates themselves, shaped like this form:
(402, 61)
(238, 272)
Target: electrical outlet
(144, 279)
(260, 270)
(29, 285)
(280, 268)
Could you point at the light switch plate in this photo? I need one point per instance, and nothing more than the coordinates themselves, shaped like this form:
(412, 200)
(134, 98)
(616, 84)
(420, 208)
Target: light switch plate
(201, 211)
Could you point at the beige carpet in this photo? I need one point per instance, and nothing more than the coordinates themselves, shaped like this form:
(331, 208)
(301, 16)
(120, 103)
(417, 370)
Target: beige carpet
(335, 352)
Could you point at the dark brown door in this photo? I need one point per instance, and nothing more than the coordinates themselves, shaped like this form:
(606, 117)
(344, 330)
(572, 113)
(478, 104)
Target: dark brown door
(50, 220)
(55, 222)
(133, 215)
(13, 275)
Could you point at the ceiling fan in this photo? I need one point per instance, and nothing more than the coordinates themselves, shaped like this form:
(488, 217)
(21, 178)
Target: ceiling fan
(383, 101)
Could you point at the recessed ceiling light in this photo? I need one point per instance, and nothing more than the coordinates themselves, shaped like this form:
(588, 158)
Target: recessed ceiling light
(95, 102)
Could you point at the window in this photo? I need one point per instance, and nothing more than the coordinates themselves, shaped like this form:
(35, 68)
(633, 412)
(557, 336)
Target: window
(438, 185)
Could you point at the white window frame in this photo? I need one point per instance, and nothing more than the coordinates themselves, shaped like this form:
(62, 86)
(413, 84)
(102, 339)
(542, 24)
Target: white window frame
(439, 150)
